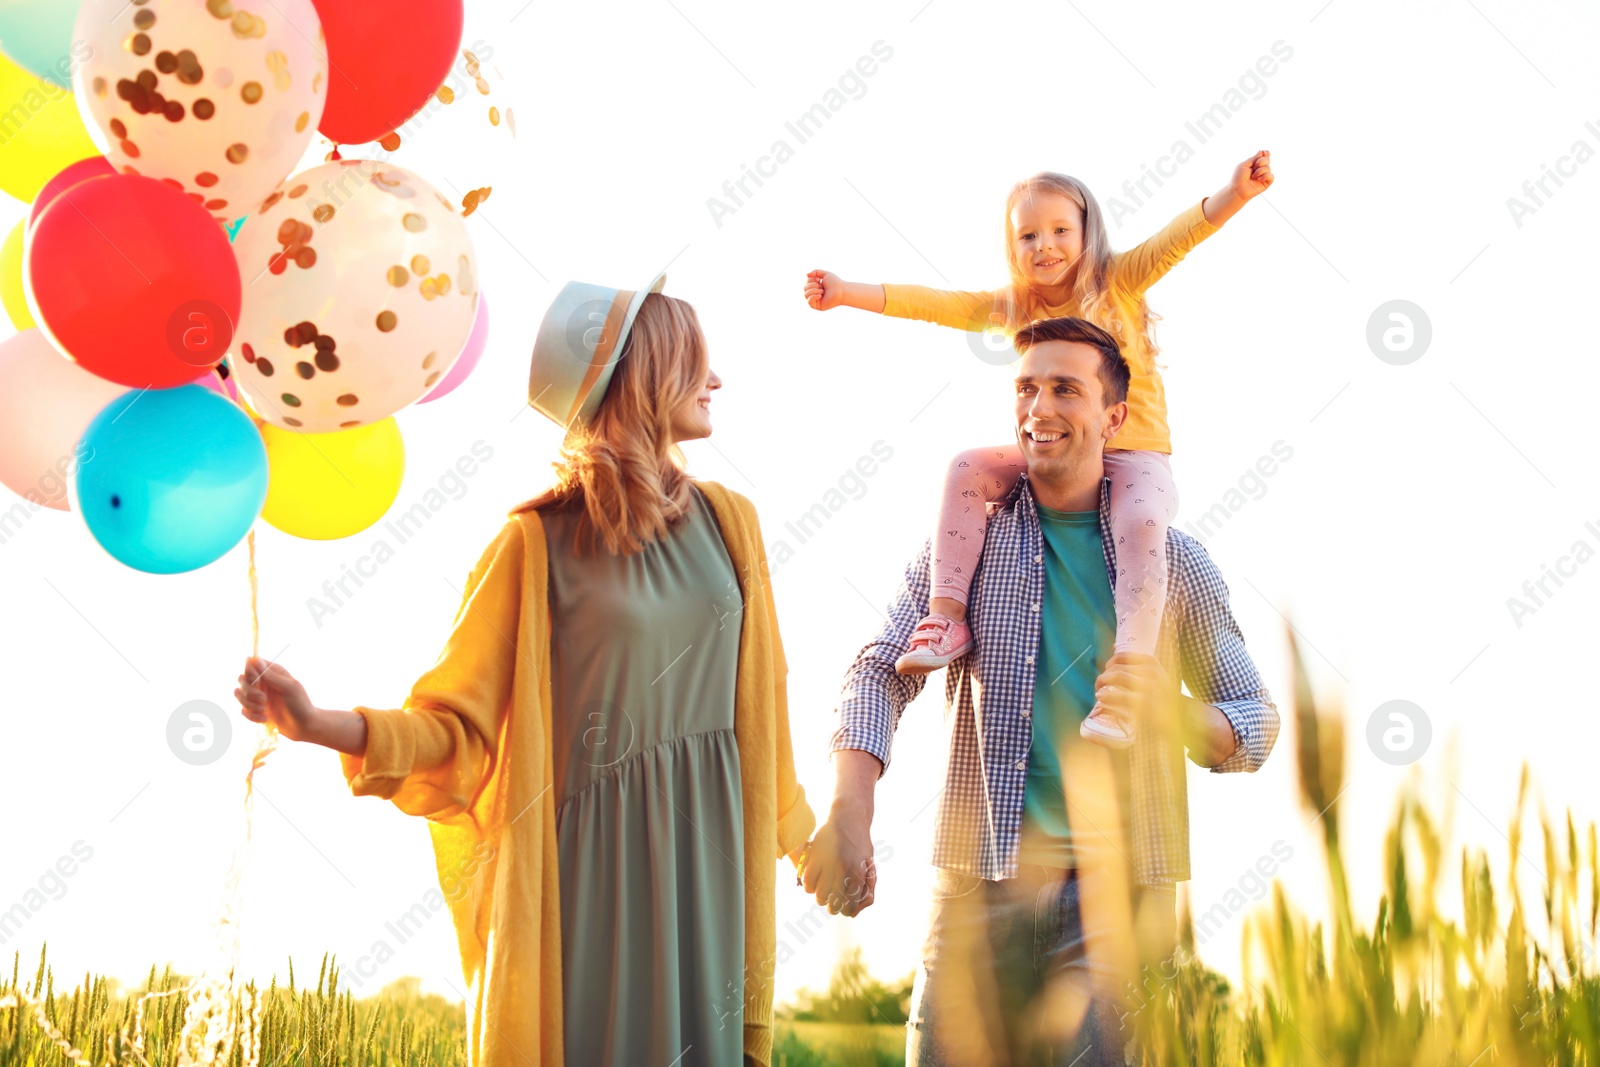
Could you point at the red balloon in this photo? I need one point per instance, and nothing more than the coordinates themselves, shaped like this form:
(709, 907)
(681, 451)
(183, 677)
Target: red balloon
(134, 280)
(384, 61)
(72, 174)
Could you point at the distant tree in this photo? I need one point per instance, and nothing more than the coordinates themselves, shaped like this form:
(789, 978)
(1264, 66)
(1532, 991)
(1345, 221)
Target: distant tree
(854, 996)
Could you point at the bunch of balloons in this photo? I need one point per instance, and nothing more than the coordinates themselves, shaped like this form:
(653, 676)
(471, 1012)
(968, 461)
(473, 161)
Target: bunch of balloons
(205, 336)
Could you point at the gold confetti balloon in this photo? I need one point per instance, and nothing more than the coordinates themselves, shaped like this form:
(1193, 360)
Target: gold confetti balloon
(464, 135)
(361, 288)
(219, 98)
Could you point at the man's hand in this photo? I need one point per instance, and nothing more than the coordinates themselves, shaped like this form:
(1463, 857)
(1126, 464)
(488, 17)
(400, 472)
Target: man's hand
(1136, 686)
(839, 868)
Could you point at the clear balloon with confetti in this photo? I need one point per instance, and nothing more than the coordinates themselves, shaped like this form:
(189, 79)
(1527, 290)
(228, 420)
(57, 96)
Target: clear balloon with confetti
(217, 97)
(361, 287)
(465, 135)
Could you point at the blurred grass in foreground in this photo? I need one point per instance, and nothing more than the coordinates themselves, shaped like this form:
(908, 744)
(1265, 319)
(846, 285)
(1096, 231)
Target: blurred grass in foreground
(1418, 988)
(1511, 982)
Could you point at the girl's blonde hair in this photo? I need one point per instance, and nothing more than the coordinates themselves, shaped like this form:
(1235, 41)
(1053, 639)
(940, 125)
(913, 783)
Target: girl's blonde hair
(1091, 286)
(624, 468)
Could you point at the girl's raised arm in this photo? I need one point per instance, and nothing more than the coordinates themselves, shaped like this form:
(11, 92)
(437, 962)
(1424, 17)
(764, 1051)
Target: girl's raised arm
(1250, 179)
(1144, 264)
(825, 291)
(958, 309)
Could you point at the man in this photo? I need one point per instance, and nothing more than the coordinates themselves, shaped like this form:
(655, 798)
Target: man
(1033, 872)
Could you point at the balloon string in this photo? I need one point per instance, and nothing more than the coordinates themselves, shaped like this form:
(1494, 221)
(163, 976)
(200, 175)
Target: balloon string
(215, 1006)
(267, 742)
(255, 615)
(211, 995)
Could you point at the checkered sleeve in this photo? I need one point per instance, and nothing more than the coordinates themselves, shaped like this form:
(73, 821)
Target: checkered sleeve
(1217, 667)
(874, 694)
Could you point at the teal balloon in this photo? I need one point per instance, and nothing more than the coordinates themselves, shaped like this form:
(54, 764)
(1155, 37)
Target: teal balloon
(37, 36)
(172, 478)
(233, 227)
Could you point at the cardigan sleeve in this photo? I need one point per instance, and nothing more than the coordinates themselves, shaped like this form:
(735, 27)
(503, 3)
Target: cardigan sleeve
(433, 755)
(796, 821)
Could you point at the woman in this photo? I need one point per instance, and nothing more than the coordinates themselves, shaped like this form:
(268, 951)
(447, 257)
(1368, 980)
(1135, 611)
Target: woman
(602, 750)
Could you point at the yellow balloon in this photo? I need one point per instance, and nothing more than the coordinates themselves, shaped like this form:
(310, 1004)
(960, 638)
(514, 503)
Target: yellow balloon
(323, 486)
(16, 304)
(40, 132)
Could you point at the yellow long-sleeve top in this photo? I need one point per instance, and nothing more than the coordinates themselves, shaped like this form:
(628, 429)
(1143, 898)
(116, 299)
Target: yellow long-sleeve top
(1132, 272)
(470, 752)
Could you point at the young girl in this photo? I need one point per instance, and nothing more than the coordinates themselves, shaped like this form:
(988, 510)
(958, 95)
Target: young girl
(1061, 264)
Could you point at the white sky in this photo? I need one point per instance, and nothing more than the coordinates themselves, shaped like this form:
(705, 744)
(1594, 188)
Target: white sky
(1417, 500)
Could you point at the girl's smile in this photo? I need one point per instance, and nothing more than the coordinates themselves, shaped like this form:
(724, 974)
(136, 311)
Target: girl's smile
(1049, 238)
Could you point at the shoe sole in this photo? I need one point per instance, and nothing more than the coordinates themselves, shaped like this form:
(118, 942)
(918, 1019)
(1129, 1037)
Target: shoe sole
(1091, 731)
(906, 664)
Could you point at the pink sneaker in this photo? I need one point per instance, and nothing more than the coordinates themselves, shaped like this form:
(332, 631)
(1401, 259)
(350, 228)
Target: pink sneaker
(937, 641)
(1106, 728)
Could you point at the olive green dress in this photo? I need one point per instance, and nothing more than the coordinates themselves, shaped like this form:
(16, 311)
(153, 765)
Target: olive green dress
(649, 820)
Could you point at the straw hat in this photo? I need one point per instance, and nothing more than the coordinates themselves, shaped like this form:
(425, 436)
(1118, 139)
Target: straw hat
(583, 335)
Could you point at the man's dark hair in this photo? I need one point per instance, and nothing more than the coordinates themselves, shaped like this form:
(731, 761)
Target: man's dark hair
(1114, 373)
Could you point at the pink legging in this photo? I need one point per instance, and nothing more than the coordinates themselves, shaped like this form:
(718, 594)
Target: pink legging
(1143, 503)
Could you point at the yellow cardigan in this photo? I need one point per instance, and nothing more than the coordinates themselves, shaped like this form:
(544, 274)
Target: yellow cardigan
(470, 751)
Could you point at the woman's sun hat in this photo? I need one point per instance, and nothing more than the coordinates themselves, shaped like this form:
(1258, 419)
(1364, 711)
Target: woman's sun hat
(583, 335)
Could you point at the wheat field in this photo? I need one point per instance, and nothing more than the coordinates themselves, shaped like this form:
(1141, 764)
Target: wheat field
(1511, 981)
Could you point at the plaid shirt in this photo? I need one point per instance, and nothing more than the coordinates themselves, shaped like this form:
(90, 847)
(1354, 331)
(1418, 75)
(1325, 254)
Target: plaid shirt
(978, 827)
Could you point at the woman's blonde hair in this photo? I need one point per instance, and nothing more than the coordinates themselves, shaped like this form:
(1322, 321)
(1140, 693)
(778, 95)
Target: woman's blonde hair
(624, 468)
(1092, 285)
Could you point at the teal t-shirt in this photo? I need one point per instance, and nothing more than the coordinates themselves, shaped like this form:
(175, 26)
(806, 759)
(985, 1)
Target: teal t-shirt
(1077, 634)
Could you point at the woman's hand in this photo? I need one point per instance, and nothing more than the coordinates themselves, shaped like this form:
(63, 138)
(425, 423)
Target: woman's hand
(268, 693)
(824, 290)
(1253, 176)
(839, 870)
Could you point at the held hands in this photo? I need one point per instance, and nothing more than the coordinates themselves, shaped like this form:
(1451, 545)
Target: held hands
(837, 864)
(268, 693)
(1253, 176)
(824, 290)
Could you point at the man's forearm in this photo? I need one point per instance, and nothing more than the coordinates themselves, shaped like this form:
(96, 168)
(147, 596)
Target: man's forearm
(1207, 733)
(873, 694)
(856, 774)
